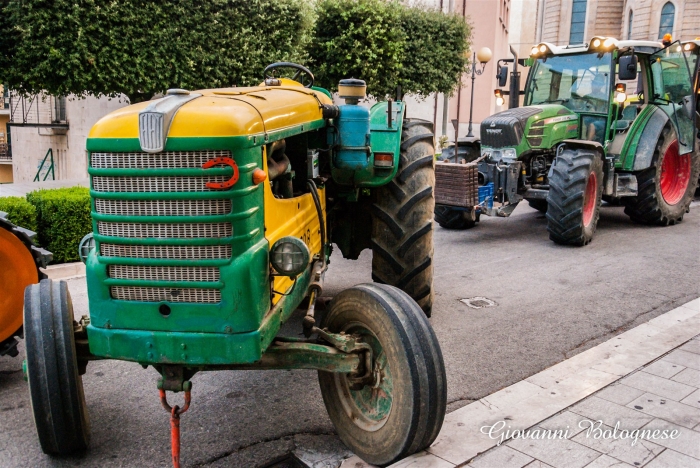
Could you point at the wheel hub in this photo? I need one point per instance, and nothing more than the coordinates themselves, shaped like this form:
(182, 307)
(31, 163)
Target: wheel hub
(675, 174)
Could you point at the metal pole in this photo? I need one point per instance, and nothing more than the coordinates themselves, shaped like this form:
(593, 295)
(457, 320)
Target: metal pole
(446, 98)
(471, 102)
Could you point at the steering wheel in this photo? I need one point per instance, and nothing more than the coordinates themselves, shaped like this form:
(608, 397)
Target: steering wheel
(307, 77)
(582, 103)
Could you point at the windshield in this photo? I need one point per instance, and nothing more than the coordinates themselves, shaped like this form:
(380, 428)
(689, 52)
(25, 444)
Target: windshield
(580, 82)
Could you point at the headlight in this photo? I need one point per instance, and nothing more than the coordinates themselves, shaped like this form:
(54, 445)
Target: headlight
(510, 153)
(289, 256)
(87, 244)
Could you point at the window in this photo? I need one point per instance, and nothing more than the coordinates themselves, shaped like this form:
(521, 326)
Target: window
(629, 25)
(668, 13)
(578, 22)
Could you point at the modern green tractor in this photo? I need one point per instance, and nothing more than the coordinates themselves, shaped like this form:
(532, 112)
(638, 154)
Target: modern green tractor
(606, 120)
(213, 213)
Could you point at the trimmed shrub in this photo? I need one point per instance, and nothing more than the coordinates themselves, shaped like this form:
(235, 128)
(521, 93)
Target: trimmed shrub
(19, 212)
(63, 218)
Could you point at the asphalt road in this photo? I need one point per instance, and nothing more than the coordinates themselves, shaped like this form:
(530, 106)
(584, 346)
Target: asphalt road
(551, 302)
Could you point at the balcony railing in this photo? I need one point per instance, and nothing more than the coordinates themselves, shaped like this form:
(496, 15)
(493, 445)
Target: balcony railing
(5, 155)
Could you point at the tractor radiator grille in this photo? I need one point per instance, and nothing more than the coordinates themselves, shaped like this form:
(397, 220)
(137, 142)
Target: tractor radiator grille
(130, 293)
(166, 231)
(164, 273)
(456, 184)
(163, 207)
(166, 160)
(154, 184)
(177, 252)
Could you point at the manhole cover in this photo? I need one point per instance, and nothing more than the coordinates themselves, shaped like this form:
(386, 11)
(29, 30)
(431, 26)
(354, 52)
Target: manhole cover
(287, 461)
(478, 302)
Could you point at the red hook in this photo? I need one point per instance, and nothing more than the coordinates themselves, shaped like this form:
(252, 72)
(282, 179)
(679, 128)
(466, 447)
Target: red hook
(175, 412)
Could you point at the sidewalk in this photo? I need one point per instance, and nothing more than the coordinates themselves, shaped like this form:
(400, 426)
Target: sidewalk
(647, 378)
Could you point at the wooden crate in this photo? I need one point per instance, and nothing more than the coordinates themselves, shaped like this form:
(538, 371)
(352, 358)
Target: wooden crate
(456, 184)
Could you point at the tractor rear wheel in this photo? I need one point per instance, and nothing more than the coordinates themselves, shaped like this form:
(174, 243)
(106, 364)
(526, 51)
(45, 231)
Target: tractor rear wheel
(451, 218)
(19, 260)
(573, 200)
(400, 411)
(55, 385)
(666, 188)
(402, 218)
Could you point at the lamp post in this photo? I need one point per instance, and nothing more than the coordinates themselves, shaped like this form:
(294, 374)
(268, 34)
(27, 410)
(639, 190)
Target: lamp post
(484, 55)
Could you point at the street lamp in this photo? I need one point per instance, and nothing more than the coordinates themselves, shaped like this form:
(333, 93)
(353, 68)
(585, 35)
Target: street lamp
(484, 55)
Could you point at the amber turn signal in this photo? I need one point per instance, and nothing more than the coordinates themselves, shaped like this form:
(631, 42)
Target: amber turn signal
(259, 176)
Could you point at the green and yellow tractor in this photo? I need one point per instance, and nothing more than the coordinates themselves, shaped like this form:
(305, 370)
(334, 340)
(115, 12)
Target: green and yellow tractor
(605, 120)
(214, 212)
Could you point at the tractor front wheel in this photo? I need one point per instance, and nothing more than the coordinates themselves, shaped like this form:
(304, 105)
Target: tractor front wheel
(55, 386)
(452, 218)
(400, 410)
(402, 218)
(573, 200)
(666, 188)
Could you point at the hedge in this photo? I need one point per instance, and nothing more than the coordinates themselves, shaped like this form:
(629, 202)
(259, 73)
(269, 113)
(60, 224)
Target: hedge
(387, 44)
(63, 218)
(19, 212)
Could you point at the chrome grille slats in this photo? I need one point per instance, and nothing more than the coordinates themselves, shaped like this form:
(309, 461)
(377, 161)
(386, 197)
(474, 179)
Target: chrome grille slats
(148, 294)
(165, 160)
(155, 184)
(165, 230)
(163, 207)
(175, 252)
(164, 273)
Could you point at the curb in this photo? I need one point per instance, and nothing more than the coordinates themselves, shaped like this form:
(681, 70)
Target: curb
(65, 270)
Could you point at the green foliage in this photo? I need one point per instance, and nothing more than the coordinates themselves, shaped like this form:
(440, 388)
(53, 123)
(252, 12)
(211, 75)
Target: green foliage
(139, 48)
(388, 44)
(63, 218)
(19, 212)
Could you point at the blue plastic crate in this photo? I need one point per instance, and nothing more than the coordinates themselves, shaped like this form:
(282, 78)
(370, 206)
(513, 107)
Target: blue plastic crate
(486, 191)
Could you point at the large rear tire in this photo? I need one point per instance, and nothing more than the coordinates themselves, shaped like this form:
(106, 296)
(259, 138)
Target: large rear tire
(55, 386)
(402, 218)
(573, 200)
(451, 218)
(402, 411)
(666, 188)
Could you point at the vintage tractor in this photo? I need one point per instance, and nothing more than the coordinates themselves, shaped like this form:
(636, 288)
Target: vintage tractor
(213, 215)
(576, 143)
(20, 261)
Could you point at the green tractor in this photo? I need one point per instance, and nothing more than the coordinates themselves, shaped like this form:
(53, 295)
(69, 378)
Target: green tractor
(692, 48)
(214, 212)
(607, 120)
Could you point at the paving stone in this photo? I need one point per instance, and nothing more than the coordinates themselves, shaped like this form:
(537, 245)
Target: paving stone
(686, 442)
(355, 462)
(422, 460)
(658, 386)
(502, 457)
(669, 410)
(693, 305)
(663, 369)
(684, 358)
(605, 461)
(688, 377)
(538, 464)
(564, 421)
(619, 393)
(669, 458)
(692, 346)
(693, 399)
(559, 453)
(620, 449)
(596, 409)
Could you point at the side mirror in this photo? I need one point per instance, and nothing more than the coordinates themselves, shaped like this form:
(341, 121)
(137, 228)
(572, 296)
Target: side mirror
(627, 67)
(502, 76)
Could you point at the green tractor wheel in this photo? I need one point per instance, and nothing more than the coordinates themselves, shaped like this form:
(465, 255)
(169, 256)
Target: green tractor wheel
(55, 385)
(402, 218)
(666, 188)
(575, 193)
(400, 410)
(451, 218)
